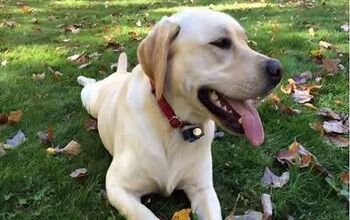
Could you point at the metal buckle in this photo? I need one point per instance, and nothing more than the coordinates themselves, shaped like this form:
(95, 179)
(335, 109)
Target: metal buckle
(175, 122)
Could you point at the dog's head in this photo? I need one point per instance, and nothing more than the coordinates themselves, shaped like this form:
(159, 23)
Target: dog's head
(203, 56)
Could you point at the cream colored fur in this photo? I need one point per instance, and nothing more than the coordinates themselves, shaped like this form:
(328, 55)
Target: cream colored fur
(148, 155)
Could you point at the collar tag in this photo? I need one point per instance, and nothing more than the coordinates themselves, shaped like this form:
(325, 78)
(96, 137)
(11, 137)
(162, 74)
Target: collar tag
(192, 132)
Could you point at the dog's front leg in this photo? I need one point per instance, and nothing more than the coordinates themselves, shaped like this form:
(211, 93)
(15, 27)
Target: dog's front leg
(204, 202)
(127, 202)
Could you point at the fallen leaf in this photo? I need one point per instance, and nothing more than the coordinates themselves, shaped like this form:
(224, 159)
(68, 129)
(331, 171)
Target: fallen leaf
(325, 44)
(35, 21)
(138, 23)
(311, 32)
(270, 179)
(26, 9)
(329, 113)
(72, 148)
(79, 173)
(337, 140)
(15, 116)
(2, 150)
(267, 205)
(296, 154)
(335, 126)
(345, 27)
(248, 215)
(184, 214)
(305, 160)
(302, 96)
(90, 124)
(135, 36)
(39, 76)
(344, 176)
(331, 65)
(3, 118)
(43, 137)
(310, 106)
(4, 63)
(52, 151)
(9, 24)
(82, 66)
(303, 77)
(50, 133)
(18, 139)
(291, 111)
(317, 127)
(288, 89)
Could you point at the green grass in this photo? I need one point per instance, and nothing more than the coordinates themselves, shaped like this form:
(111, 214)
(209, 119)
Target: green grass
(34, 185)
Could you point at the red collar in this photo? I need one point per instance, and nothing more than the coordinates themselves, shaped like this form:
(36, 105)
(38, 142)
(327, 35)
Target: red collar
(169, 113)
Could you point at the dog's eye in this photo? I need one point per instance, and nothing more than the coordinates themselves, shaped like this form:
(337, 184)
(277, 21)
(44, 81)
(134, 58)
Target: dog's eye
(223, 43)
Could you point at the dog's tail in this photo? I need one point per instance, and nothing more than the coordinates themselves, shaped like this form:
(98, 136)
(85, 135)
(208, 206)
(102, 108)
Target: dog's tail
(122, 63)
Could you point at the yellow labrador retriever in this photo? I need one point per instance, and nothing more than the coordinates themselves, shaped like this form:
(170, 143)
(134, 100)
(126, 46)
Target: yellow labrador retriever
(201, 68)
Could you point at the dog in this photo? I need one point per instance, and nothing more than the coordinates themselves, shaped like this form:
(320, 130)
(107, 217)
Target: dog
(196, 69)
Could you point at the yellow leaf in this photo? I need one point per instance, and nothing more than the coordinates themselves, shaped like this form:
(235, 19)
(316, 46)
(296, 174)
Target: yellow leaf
(184, 214)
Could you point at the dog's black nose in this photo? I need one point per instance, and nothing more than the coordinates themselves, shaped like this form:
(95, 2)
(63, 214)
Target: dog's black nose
(274, 70)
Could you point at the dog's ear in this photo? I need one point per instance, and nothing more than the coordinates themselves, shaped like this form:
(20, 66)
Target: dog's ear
(153, 52)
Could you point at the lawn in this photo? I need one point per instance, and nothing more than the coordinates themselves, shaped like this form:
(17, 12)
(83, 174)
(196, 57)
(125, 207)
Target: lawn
(37, 36)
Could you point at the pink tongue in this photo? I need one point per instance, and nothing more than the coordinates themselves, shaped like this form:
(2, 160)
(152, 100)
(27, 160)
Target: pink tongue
(251, 121)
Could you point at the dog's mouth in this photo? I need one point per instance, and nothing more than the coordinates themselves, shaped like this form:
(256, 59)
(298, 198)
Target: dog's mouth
(235, 116)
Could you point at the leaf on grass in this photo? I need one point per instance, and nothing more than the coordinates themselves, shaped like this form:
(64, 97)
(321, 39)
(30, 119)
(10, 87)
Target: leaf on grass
(337, 140)
(138, 23)
(4, 62)
(15, 116)
(302, 96)
(72, 148)
(18, 139)
(43, 137)
(335, 126)
(2, 150)
(344, 176)
(267, 205)
(90, 124)
(331, 65)
(9, 24)
(39, 76)
(296, 154)
(270, 179)
(26, 9)
(288, 89)
(310, 106)
(291, 111)
(184, 214)
(311, 32)
(345, 27)
(317, 127)
(79, 173)
(303, 77)
(82, 66)
(135, 36)
(274, 97)
(248, 215)
(325, 44)
(329, 113)
(3, 118)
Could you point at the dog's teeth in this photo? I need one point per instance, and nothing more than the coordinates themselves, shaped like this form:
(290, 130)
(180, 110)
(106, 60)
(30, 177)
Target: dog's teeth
(217, 103)
(225, 108)
(230, 111)
(240, 120)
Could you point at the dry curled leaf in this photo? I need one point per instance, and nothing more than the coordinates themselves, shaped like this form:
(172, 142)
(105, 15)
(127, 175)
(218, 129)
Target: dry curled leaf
(39, 76)
(270, 179)
(335, 126)
(184, 214)
(291, 111)
(337, 140)
(52, 150)
(317, 127)
(72, 148)
(310, 106)
(296, 154)
(90, 124)
(248, 215)
(302, 96)
(3, 118)
(26, 9)
(331, 65)
(15, 116)
(79, 173)
(289, 88)
(329, 113)
(267, 206)
(325, 44)
(303, 77)
(345, 27)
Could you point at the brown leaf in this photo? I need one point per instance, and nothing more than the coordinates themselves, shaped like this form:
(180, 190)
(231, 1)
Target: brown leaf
(291, 111)
(50, 133)
(3, 118)
(296, 154)
(15, 116)
(288, 89)
(43, 137)
(135, 36)
(337, 140)
(26, 9)
(317, 127)
(72, 148)
(305, 160)
(331, 65)
(90, 124)
(79, 173)
(344, 176)
(329, 113)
